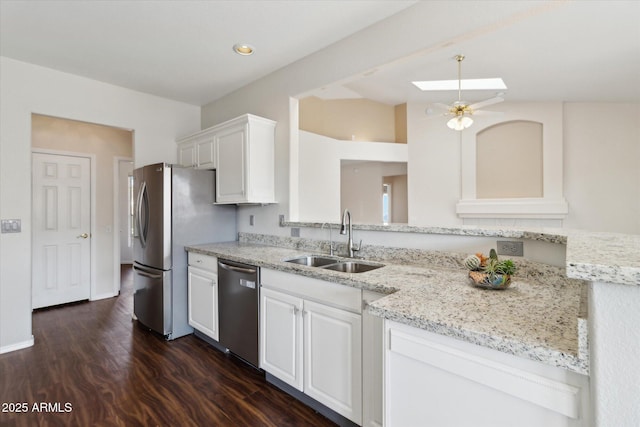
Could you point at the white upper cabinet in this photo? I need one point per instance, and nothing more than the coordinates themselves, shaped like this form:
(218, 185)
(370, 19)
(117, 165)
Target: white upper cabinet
(241, 151)
(187, 154)
(197, 151)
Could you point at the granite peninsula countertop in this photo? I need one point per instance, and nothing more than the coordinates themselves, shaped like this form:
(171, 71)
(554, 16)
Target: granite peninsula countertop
(531, 319)
(594, 256)
(604, 257)
(542, 234)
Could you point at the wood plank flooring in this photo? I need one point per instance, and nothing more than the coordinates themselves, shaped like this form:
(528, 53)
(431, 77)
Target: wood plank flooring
(92, 366)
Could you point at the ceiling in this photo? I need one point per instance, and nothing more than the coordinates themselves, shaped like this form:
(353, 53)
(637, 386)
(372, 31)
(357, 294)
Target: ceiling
(573, 51)
(180, 50)
(576, 51)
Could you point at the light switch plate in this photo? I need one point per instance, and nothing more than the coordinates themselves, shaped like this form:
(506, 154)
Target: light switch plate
(11, 225)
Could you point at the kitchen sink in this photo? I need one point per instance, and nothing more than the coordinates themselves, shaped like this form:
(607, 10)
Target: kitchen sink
(334, 264)
(312, 260)
(352, 267)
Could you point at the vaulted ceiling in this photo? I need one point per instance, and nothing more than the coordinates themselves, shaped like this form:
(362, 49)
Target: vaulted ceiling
(544, 50)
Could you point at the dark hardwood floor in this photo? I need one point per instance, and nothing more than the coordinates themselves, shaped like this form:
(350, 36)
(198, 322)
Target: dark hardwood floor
(92, 366)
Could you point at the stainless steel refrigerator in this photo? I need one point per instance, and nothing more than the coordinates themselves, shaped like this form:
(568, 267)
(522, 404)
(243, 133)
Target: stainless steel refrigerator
(174, 208)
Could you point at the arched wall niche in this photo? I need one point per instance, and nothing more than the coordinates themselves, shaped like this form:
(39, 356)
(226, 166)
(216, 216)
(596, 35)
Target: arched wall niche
(509, 160)
(548, 207)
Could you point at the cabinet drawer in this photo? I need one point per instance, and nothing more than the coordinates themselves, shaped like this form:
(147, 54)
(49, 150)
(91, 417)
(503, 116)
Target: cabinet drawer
(333, 294)
(207, 262)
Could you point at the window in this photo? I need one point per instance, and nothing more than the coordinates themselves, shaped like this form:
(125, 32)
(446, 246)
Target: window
(386, 203)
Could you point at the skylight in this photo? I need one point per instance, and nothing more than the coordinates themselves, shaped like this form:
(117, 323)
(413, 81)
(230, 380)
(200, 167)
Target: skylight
(467, 84)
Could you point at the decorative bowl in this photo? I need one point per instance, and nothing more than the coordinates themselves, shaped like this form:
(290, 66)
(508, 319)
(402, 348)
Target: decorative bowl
(485, 281)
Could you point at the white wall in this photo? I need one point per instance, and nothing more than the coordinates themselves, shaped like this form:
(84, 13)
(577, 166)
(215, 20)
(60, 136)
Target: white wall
(434, 170)
(319, 178)
(361, 189)
(602, 166)
(614, 349)
(599, 144)
(28, 89)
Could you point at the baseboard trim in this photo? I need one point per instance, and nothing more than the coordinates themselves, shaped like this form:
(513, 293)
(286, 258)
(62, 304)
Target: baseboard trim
(340, 420)
(17, 346)
(103, 296)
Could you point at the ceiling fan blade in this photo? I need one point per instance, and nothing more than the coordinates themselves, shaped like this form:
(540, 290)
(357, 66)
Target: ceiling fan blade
(487, 113)
(437, 109)
(440, 106)
(437, 106)
(486, 102)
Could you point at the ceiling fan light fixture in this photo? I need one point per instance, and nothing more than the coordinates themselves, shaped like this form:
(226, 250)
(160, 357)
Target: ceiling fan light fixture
(460, 122)
(461, 110)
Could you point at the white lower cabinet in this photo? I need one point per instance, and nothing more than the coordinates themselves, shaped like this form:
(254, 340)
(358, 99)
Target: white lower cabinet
(434, 380)
(332, 358)
(281, 336)
(311, 338)
(203, 294)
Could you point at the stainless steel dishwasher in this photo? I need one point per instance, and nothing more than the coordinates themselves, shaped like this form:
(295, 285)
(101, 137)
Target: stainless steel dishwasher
(238, 305)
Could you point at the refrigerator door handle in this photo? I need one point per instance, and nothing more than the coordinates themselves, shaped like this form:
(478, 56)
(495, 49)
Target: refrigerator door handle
(142, 231)
(236, 269)
(145, 273)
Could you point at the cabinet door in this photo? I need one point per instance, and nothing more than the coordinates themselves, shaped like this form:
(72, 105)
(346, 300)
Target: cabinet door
(206, 153)
(434, 380)
(187, 154)
(332, 359)
(231, 152)
(281, 336)
(203, 301)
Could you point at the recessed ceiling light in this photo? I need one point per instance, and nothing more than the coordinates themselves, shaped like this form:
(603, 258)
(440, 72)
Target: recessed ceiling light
(467, 84)
(243, 49)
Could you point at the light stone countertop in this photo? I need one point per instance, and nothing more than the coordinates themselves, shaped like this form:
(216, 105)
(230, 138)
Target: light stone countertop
(593, 256)
(542, 234)
(534, 320)
(604, 257)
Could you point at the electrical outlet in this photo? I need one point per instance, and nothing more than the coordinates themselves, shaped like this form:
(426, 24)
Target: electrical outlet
(295, 232)
(251, 220)
(506, 247)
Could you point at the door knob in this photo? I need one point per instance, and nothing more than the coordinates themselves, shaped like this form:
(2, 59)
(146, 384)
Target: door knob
(82, 236)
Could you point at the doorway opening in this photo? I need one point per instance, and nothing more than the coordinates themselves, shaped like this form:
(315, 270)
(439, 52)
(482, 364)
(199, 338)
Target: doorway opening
(109, 147)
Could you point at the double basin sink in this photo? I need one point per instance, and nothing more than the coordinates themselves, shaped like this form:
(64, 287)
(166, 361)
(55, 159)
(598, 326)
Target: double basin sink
(334, 264)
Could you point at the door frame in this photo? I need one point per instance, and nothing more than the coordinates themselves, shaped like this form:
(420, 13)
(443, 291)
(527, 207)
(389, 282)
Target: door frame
(92, 230)
(116, 221)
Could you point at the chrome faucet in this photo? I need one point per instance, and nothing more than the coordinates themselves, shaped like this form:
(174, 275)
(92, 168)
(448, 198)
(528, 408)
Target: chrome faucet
(346, 222)
(330, 237)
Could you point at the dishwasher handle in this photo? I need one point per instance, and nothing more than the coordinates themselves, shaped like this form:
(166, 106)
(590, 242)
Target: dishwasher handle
(236, 269)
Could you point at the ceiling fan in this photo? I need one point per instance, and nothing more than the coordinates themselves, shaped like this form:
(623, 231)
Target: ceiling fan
(461, 110)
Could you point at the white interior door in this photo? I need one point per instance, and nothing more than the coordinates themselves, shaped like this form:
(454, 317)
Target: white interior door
(61, 203)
